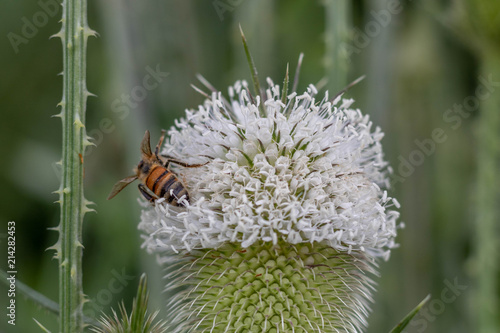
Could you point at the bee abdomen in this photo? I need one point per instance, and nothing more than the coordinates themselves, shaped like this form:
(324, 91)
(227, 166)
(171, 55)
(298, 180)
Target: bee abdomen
(166, 185)
(155, 176)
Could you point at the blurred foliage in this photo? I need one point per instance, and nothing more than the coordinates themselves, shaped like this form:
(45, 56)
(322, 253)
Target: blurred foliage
(418, 68)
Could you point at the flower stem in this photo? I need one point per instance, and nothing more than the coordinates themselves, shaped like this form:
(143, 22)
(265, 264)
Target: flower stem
(484, 27)
(488, 196)
(337, 27)
(74, 33)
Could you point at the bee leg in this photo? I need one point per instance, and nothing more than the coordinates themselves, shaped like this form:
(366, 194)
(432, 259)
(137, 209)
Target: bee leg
(160, 142)
(173, 160)
(150, 196)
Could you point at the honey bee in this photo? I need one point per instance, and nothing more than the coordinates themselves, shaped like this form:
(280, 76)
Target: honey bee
(157, 181)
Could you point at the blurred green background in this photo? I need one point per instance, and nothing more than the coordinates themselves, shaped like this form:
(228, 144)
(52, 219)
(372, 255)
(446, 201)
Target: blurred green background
(424, 60)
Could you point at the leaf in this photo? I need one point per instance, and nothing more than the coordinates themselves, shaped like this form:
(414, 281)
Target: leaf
(41, 326)
(403, 323)
(38, 298)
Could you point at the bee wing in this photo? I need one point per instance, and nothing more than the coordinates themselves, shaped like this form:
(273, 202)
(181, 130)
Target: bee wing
(146, 145)
(120, 185)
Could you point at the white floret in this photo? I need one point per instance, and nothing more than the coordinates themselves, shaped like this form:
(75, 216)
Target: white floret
(303, 172)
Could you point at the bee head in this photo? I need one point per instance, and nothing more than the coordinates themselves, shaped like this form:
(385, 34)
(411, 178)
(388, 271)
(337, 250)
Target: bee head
(143, 167)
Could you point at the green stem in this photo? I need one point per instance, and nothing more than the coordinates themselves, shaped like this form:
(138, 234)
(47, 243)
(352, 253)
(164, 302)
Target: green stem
(488, 197)
(338, 23)
(74, 33)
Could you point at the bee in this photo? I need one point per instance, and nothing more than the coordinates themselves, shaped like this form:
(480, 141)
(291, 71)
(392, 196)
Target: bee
(157, 180)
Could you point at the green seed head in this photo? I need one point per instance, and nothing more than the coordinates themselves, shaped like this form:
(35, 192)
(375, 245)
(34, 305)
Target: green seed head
(270, 288)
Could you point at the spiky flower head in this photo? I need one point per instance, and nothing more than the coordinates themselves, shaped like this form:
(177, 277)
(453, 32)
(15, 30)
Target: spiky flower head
(285, 222)
(139, 320)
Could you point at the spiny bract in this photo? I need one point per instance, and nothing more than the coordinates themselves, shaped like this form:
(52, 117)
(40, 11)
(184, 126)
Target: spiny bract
(270, 288)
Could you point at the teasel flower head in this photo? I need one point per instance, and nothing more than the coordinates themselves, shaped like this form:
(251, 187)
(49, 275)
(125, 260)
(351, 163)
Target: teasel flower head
(286, 221)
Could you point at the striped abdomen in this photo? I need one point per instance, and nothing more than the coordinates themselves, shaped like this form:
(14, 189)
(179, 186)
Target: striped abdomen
(166, 185)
